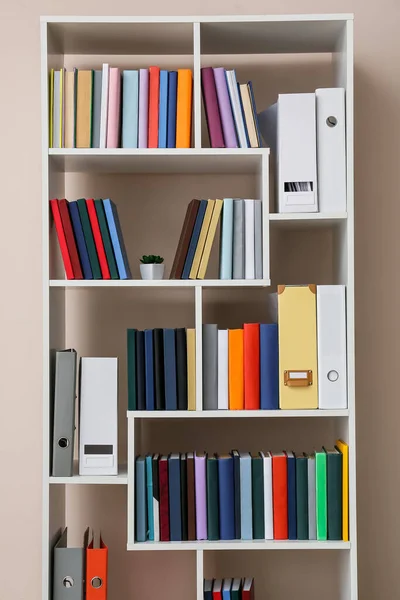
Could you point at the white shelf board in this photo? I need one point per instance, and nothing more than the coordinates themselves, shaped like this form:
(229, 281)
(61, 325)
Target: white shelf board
(233, 414)
(306, 220)
(241, 545)
(165, 283)
(120, 479)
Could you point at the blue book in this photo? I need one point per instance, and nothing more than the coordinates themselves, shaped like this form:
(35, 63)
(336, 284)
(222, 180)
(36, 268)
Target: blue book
(255, 115)
(149, 489)
(246, 501)
(130, 108)
(291, 487)
(140, 372)
(226, 256)
(269, 367)
(171, 397)
(226, 589)
(207, 589)
(244, 116)
(226, 497)
(149, 368)
(194, 239)
(163, 109)
(171, 116)
(140, 500)
(117, 239)
(131, 369)
(80, 239)
(174, 492)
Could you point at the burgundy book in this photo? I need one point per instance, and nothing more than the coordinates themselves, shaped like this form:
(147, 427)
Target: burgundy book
(191, 510)
(70, 238)
(184, 240)
(210, 100)
(164, 511)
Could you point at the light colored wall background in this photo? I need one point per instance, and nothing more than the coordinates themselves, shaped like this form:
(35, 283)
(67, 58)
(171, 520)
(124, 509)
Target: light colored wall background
(377, 86)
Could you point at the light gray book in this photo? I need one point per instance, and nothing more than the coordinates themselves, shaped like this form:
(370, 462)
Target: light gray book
(210, 367)
(312, 523)
(258, 239)
(97, 82)
(68, 569)
(238, 239)
(64, 413)
(56, 110)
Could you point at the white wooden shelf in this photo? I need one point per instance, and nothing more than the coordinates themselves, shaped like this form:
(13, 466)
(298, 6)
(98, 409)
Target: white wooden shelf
(306, 220)
(120, 479)
(165, 283)
(234, 414)
(241, 545)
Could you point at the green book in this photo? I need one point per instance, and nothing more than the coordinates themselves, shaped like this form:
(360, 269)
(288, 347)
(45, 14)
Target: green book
(321, 499)
(236, 589)
(212, 498)
(334, 480)
(131, 368)
(257, 483)
(302, 497)
(105, 234)
(89, 239)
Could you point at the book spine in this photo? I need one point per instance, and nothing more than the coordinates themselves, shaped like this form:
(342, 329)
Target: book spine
(238, 239)
(251, 348)
(98, 240)
(191, 368)
(154, 96)
(131, 368)
(149, 491)
(236, 108)
(226, 252)
(159, 385)
(191, 499)
(149, 369)
(164, 494)
(223, 370)
(210, 367)
(268, 498)
(80, 240)
(184, 239)
(211, 108)
(249, 239)
(89, 239)
(181, 370)
(194, 239)
(114, 104)
(246, 522)
(174, 488)
(117, 239)
(212, 499)
(70, 238)
(62, 239)
(269, 367)
(226, 498)
(201, 500)
(143, 108)
(258, 245)
(302, 497)
(334, 495)
(105, 234)
(257, 485)
(236, 478)
(291, 489)
(104, 106)
(210, 239)
(163, 110)
(156, 497)
(236, 375)
(140, 371)
(170, 369)
(184, 498)
(225, 108)
(130, 108)
(184, 108)
(321, 499)
(140, 501)
(312, 523)
(171, 118)
(280, 498)
(97, 88)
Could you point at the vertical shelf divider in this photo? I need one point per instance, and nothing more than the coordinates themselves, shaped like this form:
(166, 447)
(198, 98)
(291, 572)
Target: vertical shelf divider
(199, 346)
(131, 480)
(199, 573)
(197, 85)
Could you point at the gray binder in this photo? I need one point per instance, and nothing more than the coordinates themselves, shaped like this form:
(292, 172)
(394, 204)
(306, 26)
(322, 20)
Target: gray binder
(64, 413)
(238, 239)
(210, 367)
(258, 239)
(69, 569)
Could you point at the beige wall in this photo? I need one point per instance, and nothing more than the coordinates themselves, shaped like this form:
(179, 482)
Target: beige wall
(377, 80)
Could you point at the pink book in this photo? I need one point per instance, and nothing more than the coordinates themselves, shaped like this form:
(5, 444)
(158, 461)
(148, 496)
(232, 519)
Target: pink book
(143, 107)
(225, 109)
(114, 108)
(201, 495)
(211, 107)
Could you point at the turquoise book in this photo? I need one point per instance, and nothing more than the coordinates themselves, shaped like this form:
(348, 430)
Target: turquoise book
(141, 500)
(130, 108)
(149, 490)
(226, 253)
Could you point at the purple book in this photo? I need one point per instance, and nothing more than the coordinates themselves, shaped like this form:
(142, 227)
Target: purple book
(201, 495)
(225, 108)
(211, 106)
(143, 107)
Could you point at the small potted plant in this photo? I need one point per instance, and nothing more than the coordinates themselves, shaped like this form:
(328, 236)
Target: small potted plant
(152, 267)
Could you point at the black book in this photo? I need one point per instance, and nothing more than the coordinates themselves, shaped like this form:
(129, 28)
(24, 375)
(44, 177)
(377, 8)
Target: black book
(181, 369)
(236, 477)
(140, 372)
(159, 385)
(184, 499)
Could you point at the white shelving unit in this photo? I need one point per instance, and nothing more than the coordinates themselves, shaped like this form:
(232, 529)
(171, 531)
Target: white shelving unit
(93, 316)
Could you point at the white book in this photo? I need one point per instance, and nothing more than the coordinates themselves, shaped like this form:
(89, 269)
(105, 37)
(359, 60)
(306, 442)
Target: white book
(312, 517)
(258, 258)
(249, 240)
(268, 505)
(236, 108)
(56, 110)
(331, 343)
(104, 106)
(223, 374)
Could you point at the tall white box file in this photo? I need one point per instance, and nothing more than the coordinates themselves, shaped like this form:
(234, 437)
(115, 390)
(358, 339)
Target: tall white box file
(289, 128)
(98, 438)
(331, 342)
(331, 149)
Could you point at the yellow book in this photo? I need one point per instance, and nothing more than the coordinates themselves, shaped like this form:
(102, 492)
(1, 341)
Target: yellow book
(62, 77)
(248, 115)
(51, 108)
(191, 367)
(202, 239)
(297, 328)
(84, 94)
(209, 240)
(344, 449)
(69, 109)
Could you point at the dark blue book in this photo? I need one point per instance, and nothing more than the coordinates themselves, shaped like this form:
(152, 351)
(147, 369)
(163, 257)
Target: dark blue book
(291, 487)
(131, 368)
(207, 592)
(149, 368)
(117, 239)
(171, 399)
(194, 239)
(171, 116)
(159, 391)
(244, 116)
(140, 500)
(269, 367)
(226, 496)
(174, 491)
(163, 109)
(255, 115)
(80, 239)
(140, 372)
(236, 479)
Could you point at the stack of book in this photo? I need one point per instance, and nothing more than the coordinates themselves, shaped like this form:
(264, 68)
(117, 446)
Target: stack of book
(229, 589)
(240, 240)
(90, 238)
(230, 110)
(145, 108)
(241, 367)
(243, 496)
(161, 369)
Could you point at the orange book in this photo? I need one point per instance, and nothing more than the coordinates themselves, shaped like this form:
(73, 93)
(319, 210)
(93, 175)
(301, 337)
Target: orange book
(236, 371)
(251, 347)
(154, 95)
(96, 571)
(184, 108)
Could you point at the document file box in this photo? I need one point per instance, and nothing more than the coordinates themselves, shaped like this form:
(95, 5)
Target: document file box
(96, 570)
(331, 336)
(297, 329)
(98, 444)
(64, 413)
(69, 569)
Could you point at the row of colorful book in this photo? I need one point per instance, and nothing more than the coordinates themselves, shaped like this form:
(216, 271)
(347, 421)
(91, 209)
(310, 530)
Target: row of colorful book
(240, 240)
(110, 108)
(161, 365)
(230, 109)
(229, 589)
(243, 496)
(90, 239)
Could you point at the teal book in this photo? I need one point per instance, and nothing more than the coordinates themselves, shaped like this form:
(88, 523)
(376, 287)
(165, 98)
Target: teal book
(89, 239)
(105, 235)
(212, 498)
(131, 368)
(321, 496)
(257, 478)
(334, 493)
(226, 250)
(141, 500)
(130, 108)
(149, 490)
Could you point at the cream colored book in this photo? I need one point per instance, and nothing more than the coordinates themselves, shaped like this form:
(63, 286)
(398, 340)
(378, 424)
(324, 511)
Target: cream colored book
(69, 110)
(84, 94)
(191, 367)
(248, 113)
(62, 92)
(202, 239)
(51, 108)
(210, 238)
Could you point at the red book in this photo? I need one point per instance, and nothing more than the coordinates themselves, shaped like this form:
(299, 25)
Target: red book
(251, 351)
(154, 94)
(70, 238)
(248, 589)
(62, 239)
(164, 511)
(217, 589)
(280, 495)
(98, 240)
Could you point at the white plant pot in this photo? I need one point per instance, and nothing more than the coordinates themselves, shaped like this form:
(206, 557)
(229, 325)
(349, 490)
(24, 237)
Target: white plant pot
(152, 271)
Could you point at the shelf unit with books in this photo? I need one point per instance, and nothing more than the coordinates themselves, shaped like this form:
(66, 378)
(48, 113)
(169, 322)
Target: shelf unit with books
(280, 54)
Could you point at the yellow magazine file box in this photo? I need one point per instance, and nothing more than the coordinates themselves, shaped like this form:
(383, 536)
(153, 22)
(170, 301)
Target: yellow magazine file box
(297, 327)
